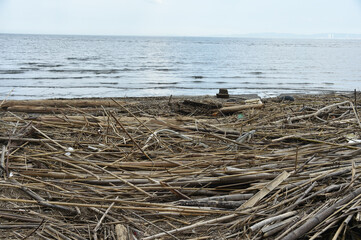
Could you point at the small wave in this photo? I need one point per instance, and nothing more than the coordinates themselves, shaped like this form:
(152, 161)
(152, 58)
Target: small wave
(232, 77)
(197, 81)
(41, 65)
(83, 58)
(299, 83)
(30, 68)
(62, 78)
(197, 77)
(46, 78)
(161, 83)
(49, 65)
(114, 77)
(126, 70)
(94, 71)
(12, 71)
(256, 73)
(260, 83)
(109, 83)
(165, 69)
(261, 76)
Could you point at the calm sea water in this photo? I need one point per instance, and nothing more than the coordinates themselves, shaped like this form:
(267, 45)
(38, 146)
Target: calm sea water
(41, 66)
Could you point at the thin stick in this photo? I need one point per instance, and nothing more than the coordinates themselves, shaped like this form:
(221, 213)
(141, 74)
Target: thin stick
(159, 228)
(40, 200)
(249, 203)
(2, 102)
(2, 162)
(103, 217)
(53, 141)
(126, 132)
(135, 117)
(36, 229)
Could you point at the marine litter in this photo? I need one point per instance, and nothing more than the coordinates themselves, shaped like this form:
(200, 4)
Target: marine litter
(181, 168)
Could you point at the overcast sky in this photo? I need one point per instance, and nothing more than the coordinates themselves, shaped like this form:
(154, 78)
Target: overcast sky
(179, 17)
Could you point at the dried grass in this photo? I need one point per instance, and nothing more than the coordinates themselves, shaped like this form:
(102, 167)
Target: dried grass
(174, 169)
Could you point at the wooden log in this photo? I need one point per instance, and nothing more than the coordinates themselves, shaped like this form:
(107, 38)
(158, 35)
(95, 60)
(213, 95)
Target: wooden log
(102, 119)
(61, 103)
(33, 109)
(237, 108)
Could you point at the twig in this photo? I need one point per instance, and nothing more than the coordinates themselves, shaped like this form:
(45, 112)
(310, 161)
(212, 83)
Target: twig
(4, 100)
(102, 218)
(126, 132)
(41, 200)
(36, 229)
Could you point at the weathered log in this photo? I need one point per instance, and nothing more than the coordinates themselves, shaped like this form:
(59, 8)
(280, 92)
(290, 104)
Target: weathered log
(33, 109)
(60, 103)
(237, 108)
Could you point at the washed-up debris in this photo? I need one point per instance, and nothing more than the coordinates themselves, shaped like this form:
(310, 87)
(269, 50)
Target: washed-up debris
(249, 104)
(286, 98)
(223, 93)
(141, 169)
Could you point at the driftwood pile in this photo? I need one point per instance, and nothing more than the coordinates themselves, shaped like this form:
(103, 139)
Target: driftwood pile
(141, 169)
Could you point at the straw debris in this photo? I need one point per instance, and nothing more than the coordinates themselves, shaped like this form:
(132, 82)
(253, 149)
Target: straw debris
(181, 168)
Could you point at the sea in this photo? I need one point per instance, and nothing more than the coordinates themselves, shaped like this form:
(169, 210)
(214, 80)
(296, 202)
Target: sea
(61, 66)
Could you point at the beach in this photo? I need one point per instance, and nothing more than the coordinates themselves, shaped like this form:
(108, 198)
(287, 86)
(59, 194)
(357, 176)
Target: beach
(174, 119)
(185, 167)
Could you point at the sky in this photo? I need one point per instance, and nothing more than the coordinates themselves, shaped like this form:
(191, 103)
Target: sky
(180, 17)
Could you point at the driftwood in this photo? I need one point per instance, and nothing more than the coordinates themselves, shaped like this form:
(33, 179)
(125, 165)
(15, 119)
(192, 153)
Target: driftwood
(322, 111)
(319, 217)
(137, 169)
(237, 108)
(60, 103)
(33, 109)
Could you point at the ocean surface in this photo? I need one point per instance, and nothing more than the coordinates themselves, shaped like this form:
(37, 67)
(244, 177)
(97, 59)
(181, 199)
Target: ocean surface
(50, 66)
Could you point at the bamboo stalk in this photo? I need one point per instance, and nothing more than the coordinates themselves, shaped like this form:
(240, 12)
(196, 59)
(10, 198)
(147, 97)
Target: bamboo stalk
(185, 190)
(299, 232)
(259, 225)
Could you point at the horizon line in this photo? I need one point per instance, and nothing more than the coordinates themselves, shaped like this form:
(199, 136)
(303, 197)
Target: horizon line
(325, 35)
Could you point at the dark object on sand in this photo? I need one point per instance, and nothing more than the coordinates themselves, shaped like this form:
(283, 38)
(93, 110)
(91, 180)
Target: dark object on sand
(223, 93)
(286, 98)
